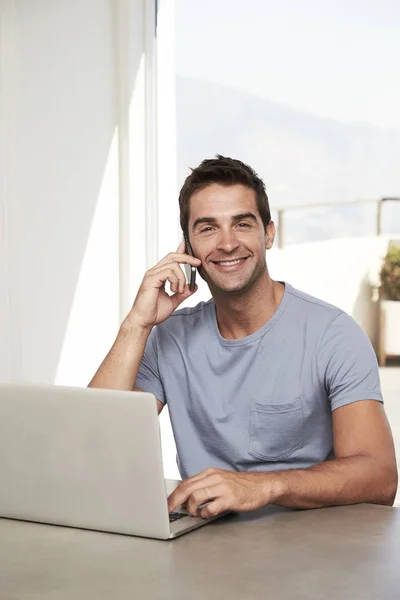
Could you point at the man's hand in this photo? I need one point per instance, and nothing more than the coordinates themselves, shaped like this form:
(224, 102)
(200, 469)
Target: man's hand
(153, 304)
(223, 490)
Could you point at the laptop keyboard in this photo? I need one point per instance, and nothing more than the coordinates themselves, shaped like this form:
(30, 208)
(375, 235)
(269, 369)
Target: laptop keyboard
(174, 516)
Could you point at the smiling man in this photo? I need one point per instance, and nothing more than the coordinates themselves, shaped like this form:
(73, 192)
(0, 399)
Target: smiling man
(274, 395)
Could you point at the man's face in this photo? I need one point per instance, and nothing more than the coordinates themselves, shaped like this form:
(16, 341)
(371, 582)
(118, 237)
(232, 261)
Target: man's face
(227, 234)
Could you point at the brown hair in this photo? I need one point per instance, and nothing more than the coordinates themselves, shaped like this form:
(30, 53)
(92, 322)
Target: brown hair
(224, 171)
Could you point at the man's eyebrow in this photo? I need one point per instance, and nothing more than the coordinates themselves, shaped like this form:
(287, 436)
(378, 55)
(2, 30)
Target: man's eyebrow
(248, 215)
(235, 219)
(201, 220)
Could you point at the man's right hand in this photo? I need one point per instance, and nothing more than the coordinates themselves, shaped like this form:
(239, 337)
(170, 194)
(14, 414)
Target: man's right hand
(153, 304)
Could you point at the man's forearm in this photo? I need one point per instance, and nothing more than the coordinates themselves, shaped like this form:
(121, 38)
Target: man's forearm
(120, 367)
(341, 481)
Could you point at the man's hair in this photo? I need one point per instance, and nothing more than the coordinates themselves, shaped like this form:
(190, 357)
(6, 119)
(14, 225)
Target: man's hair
(223, 171)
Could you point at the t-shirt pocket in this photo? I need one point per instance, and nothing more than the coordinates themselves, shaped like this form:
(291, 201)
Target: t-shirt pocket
(276, 430)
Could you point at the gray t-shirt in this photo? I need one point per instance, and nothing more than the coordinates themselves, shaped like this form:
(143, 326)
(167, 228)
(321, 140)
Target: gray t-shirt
(263, 402)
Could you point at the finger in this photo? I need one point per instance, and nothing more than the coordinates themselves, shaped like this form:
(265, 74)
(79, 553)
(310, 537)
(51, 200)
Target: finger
(181, 494)
(205, 494)
(170, 272)
(179, 258)
(189, 481)
(178, 272)
(214, 508)
(172, 278)
(178, 497)
(180, 297)
(181, 248)
(185, 489)
(173, 283)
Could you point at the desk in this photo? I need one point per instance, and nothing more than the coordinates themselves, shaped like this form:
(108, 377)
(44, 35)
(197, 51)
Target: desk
(341, 553)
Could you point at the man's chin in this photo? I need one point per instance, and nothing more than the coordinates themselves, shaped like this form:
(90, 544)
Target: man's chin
(234, 288)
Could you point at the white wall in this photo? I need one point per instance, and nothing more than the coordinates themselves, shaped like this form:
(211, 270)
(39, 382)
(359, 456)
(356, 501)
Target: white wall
(342, 272)
(72, 152)
(79, 116)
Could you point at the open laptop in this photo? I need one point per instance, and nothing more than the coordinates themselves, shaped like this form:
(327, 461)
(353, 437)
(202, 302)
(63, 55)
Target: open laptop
(85, 458)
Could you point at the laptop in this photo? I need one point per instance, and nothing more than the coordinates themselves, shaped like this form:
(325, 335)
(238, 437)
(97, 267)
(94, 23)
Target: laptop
(87, 458)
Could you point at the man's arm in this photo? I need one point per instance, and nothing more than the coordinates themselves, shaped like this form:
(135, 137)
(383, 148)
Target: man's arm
(364, 470)
(120, 367)
(153, 305)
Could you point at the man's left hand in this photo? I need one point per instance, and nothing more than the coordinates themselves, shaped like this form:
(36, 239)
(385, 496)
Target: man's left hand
(222, 490)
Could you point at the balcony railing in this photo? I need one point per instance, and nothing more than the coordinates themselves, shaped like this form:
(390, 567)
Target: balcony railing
(281, 212)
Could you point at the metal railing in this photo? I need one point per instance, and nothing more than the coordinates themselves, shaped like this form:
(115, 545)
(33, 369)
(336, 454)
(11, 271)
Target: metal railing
(282, 210)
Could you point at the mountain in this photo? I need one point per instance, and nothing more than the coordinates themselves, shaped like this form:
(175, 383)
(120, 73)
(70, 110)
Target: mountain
(303, 159)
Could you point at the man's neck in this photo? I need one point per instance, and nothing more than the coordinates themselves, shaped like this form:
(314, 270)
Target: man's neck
(240, 316)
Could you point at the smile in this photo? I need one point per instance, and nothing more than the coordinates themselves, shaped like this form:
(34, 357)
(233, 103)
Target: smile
(229, 263)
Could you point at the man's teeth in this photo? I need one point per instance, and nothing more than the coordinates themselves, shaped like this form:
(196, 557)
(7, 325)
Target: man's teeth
(230, 262)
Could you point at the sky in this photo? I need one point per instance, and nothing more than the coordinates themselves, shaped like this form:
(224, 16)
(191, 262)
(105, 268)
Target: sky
(330, 58)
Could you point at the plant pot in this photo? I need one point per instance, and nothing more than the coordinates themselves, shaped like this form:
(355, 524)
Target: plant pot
(389, 330)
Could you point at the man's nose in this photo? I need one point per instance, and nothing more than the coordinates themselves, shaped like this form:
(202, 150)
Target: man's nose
(227, 241)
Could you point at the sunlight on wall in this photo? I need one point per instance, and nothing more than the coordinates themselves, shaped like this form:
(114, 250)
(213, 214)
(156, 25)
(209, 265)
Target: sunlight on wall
(133, 194)
(94, 316)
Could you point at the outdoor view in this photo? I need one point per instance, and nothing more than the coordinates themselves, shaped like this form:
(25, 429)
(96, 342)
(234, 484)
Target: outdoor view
(307, 93)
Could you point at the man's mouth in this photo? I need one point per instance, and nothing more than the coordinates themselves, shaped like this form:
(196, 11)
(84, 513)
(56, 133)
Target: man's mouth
(229, 263)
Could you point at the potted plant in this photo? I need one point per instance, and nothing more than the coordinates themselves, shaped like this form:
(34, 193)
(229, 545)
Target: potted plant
(390, 305)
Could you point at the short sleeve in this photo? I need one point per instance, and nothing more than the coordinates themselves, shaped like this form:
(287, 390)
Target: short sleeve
(347, 363)
(148, 378)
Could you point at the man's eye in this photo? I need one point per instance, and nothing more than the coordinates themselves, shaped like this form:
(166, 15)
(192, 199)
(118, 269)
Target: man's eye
(243, 225)
(206, 229)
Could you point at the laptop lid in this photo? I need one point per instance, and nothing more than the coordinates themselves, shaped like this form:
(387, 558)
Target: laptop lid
(82, 457)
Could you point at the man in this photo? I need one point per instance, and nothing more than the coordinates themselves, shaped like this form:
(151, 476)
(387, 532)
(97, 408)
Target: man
(274, 395)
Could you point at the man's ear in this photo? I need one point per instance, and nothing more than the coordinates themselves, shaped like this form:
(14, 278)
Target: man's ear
(270, 233)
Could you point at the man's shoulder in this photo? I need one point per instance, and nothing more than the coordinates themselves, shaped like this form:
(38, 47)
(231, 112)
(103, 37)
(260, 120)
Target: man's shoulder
(313, 305)
(330, 320)
(188, 318)
(189, 311)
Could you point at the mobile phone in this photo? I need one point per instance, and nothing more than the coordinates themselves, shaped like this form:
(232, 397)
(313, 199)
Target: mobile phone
(189, 269)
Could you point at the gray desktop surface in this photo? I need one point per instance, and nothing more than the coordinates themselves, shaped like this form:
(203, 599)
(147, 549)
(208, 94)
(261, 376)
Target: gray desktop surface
(338, 553)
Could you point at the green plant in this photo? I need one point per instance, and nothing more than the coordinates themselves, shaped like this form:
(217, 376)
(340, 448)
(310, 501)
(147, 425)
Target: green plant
(390, 274)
